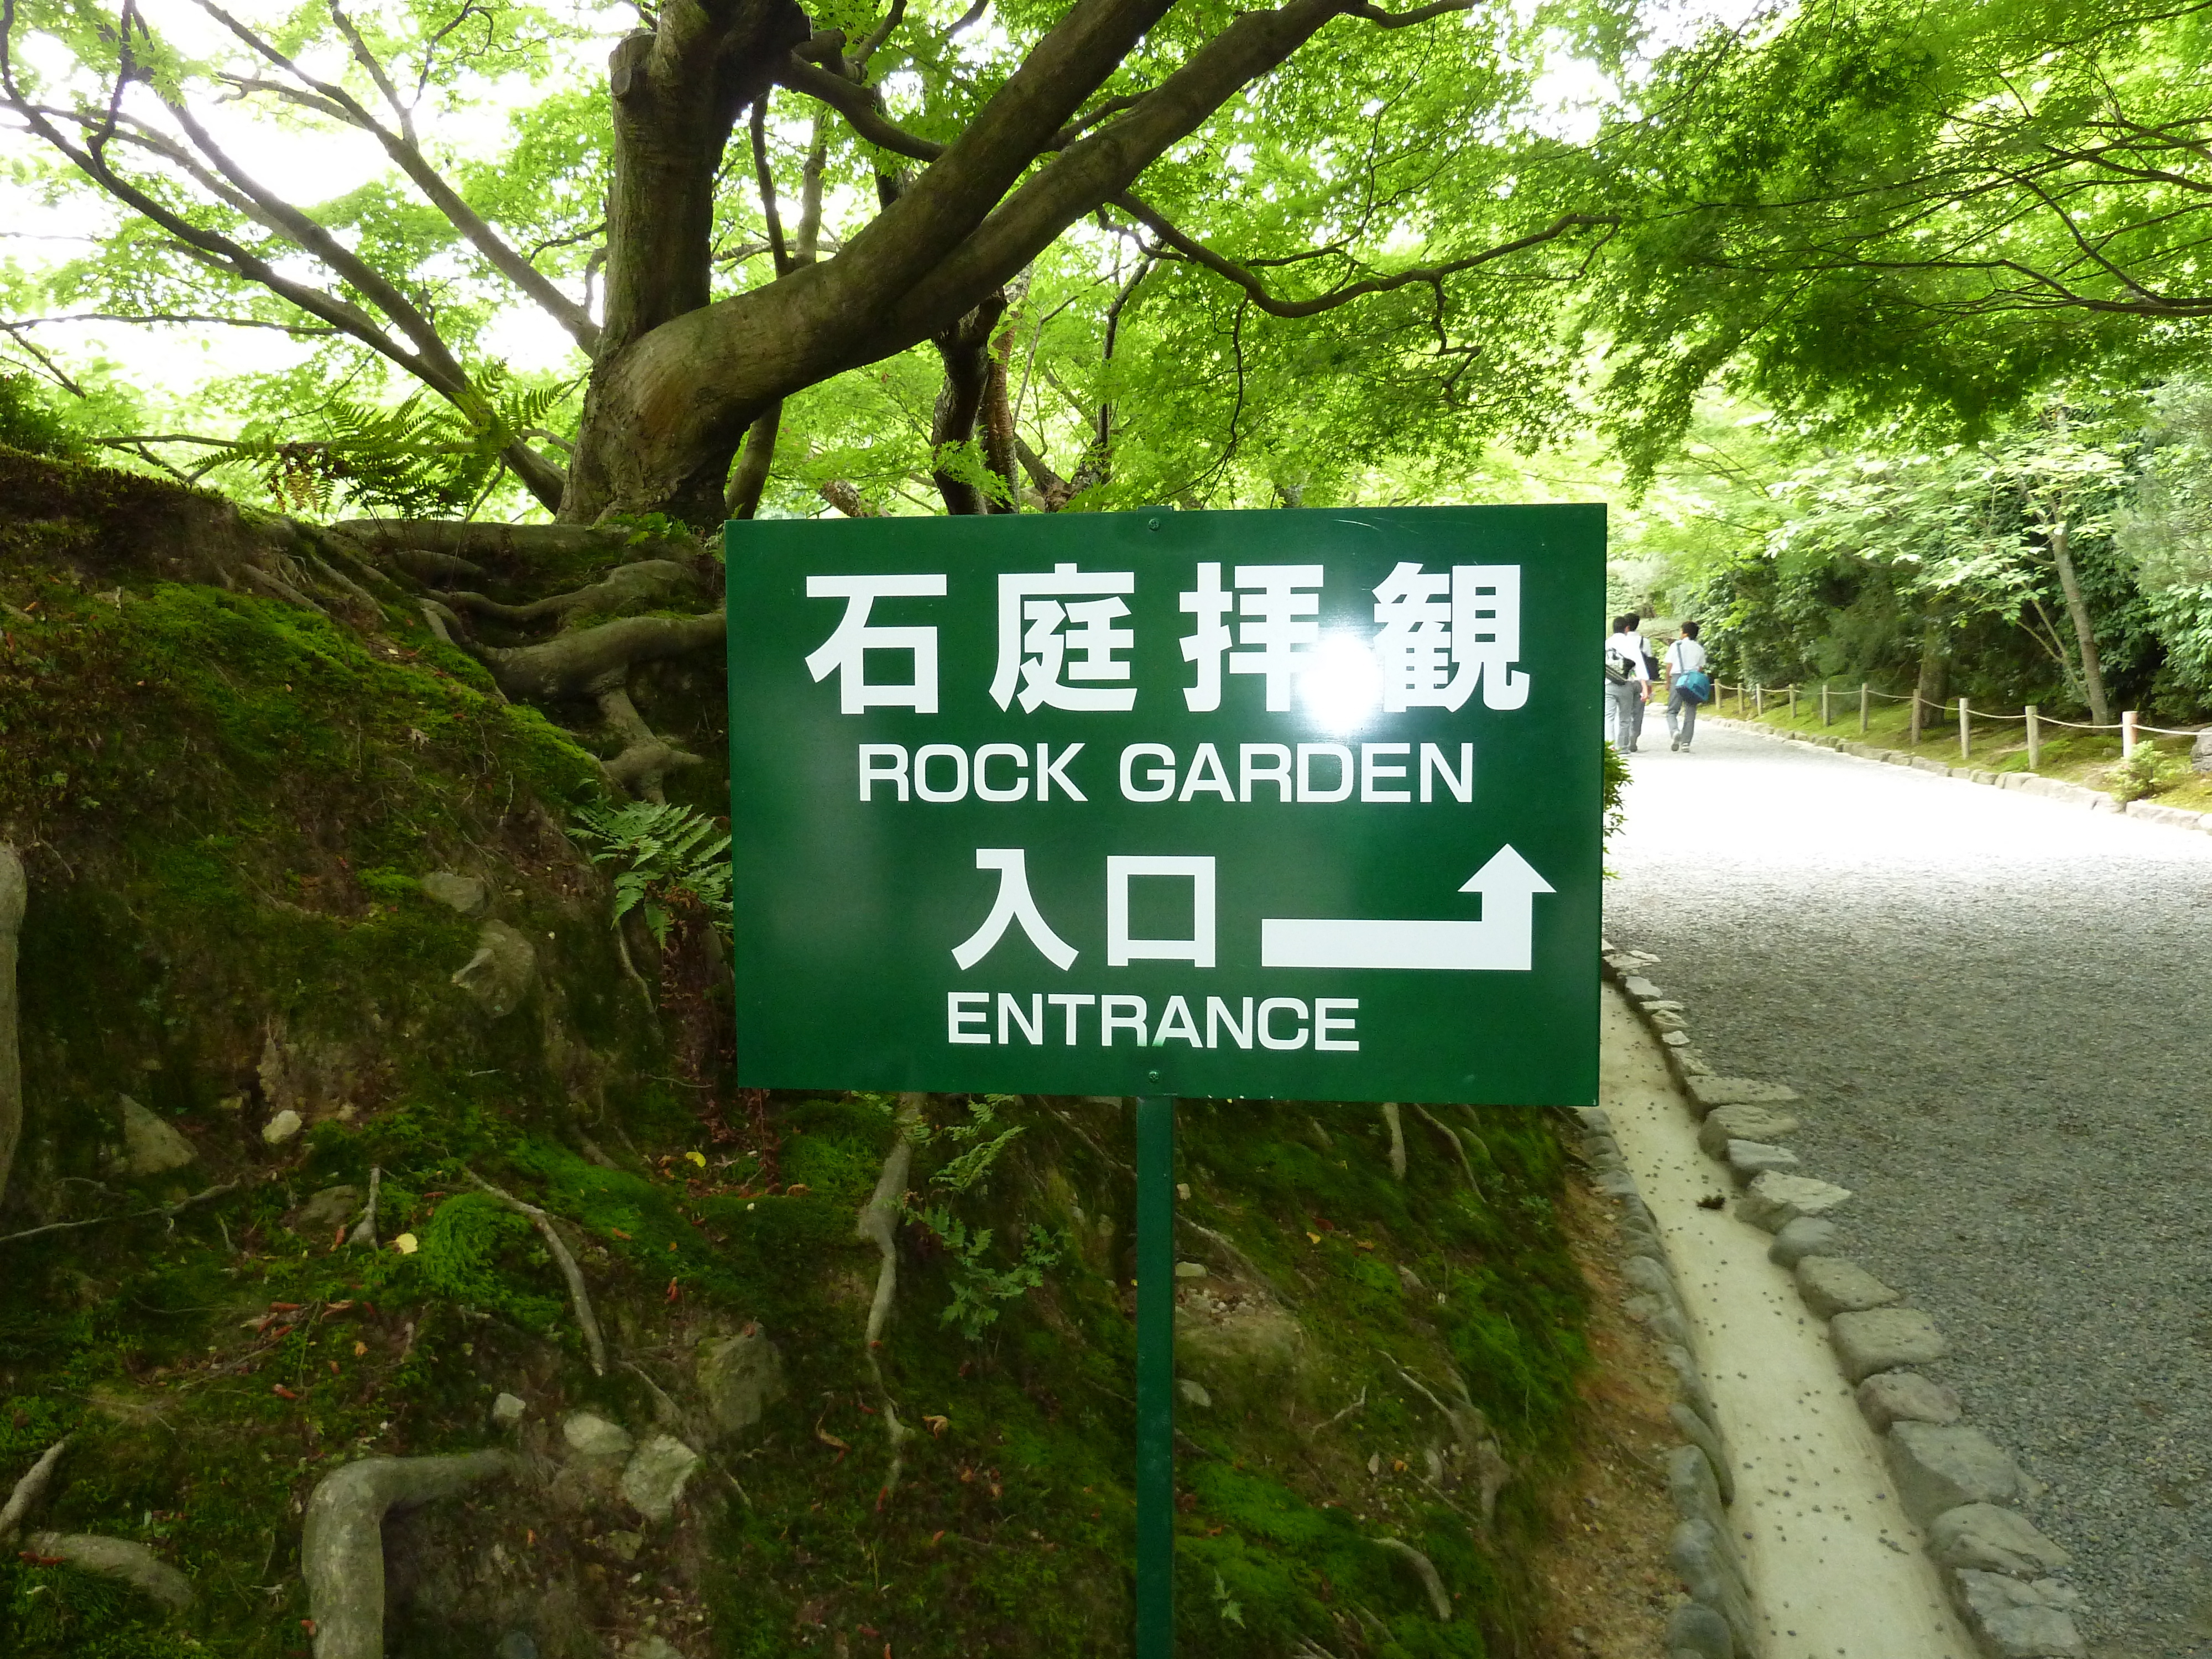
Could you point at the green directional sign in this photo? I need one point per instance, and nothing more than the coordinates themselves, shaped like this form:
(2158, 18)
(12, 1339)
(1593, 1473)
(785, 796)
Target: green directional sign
(1289, 804)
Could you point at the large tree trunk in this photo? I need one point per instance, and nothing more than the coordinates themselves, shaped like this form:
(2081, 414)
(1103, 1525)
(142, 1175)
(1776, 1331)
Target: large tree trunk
(2085, 632)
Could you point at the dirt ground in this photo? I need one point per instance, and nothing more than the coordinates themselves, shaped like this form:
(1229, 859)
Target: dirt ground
(1608, 1587)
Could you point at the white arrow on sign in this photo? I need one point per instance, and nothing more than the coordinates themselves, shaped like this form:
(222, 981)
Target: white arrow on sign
(1499, 942)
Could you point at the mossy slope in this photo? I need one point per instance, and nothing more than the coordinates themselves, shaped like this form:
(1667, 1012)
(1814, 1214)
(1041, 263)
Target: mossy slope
(226, 803)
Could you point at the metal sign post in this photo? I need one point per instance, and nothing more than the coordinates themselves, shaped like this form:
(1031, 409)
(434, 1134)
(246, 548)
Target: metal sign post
(1291, 805)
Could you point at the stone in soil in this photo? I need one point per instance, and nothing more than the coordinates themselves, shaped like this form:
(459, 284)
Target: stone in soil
(1749, 1159)
(507, 1411)
(1698, 1552)
(2019, 1620)
(327, 1209)
(656, 1476)
(593, 1436)
(1808, 1235)
(1905, 1397)
(280, 1128)
(1772, 1201)
(467, 894)
(1984, 1538)
(1830, 1286)
(1696, 1491)
(1707, 1092)
(1939, 1466)
(1693, 1381)
(741, 1377)
(1742, 1122)
(1884, 1339)
(1642, 989)
(150, 1147)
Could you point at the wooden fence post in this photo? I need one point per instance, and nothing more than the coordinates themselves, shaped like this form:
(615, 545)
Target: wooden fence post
(1759, 702)
(1966, 734)
(1913, 741)
(1825, 721)
(2127, 734)
(1793, 705)
(1866, 698)
(2034, 737)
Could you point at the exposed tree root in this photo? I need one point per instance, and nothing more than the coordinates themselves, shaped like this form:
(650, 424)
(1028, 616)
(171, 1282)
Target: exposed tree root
(594, 1344)
(648, 581)
(645, 758)
(1332, 1422)
(521, 542)
(30, 1491)
(167, 1211)
(1465, 1162)
(116, 1558)
(14, 893)
(342, 1553)
(364, 1230)
(1439, 1598)
(1397, 1138)
(879, 1224)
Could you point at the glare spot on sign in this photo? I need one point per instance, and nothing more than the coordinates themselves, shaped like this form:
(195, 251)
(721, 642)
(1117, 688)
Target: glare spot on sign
(1340, 686)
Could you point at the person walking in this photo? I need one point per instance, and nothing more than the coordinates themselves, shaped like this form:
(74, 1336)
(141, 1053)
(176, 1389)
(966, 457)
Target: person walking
(1627, 682)
(1688, 686)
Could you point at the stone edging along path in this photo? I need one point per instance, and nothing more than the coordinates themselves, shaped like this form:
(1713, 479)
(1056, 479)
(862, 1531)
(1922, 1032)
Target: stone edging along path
(1955, 1483)
(2028, 783)
(1717, 1622)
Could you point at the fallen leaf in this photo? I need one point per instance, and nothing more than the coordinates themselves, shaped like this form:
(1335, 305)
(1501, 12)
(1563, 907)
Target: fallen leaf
(796, 1189)
(337, 1241)
(937, 1425)
(619, 1232)
(359, 1349)
(284, 1307)
(1363, 1245)
(279, 1388)
(699, 1159)
(406, 1244)
(675, 1291)
(336, 1307)
(1313, 1238)
(530, 1536)
(334, 1367)
(308, 1625)
(829, 1439)
(936, 1538)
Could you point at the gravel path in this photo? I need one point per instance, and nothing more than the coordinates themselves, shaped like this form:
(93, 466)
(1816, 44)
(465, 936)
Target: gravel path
(1999, 1010)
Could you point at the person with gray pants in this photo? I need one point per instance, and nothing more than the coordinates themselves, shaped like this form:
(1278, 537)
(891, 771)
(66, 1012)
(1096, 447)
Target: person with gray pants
(1628, 682)
(1687, 686)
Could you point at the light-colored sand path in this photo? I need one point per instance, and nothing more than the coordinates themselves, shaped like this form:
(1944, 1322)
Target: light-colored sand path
(1838, 1570)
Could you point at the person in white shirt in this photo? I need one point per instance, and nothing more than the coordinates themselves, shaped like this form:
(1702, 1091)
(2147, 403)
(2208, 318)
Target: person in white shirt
(1685, 656)
(1627, 682)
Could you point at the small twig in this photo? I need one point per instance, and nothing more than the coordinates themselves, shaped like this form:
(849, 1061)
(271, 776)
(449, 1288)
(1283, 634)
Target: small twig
(364, 1231)
(879, 1225)
(593, 1343)
(1342, 1415)
(169, 1210)
(29, 1491)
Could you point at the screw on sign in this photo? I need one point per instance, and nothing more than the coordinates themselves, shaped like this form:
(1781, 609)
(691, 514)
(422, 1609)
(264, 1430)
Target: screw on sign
(1298, 805)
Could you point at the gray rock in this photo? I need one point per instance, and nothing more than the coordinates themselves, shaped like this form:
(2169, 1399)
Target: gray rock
(1905, 1397)
(1983, 1538)
(1884, 1339)
(1190, 1270)
(740, 1377)
(1663, 1314)
(1663, 1020)
(1749, 1159)
(1698, 1631)
(651, 1647)
(1773, 1202)
(516, 1644)
(150, 1147)
(1694, 1393)
(1694, 1488)
(1742, 1122)
(1676, 1039)
(1702, 1434)
(1807, 1236)
(1641, 988)
(333, 1207)
(280, 1128)
(1595, 1120)
(1707, 1092)
(654, 1480)
(2017, 1620)
(1696, 1552)
(499, 975)
(470, 895)
(1650, 1276)
(1614, 1183)
(591, 1435)
(1939, 1466)
(1831, 1285)
(2200, 752)
(507, 1411)
(1194, 1393)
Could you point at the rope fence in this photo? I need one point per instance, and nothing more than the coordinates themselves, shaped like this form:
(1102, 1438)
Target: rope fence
(2130, 725)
